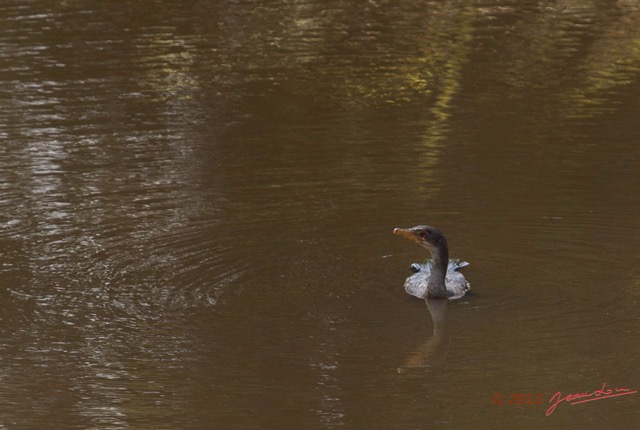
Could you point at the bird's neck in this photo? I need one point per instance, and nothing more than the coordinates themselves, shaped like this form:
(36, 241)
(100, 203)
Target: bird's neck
(436, 287)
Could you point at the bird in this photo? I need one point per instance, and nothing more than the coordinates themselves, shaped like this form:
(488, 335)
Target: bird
(439, 277)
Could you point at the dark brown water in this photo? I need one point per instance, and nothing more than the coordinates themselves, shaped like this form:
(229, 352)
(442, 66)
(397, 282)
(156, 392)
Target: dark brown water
(197, 201)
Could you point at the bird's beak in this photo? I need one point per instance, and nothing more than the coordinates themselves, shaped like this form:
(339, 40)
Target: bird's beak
(409, 234)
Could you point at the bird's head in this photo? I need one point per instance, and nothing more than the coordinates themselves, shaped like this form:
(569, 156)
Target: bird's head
(425, 235)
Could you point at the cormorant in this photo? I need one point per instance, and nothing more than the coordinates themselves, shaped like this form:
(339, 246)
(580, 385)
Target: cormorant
(438, 278)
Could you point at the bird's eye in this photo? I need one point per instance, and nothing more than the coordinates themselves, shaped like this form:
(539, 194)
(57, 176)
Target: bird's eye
(424, 234)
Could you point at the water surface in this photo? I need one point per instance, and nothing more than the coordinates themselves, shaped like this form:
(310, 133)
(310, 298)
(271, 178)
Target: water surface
(198, 198)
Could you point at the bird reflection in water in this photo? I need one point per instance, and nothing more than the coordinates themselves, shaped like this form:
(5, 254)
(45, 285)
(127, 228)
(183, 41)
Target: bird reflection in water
(433, 351)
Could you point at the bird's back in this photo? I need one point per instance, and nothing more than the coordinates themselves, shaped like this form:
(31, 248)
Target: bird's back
(455, 282)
